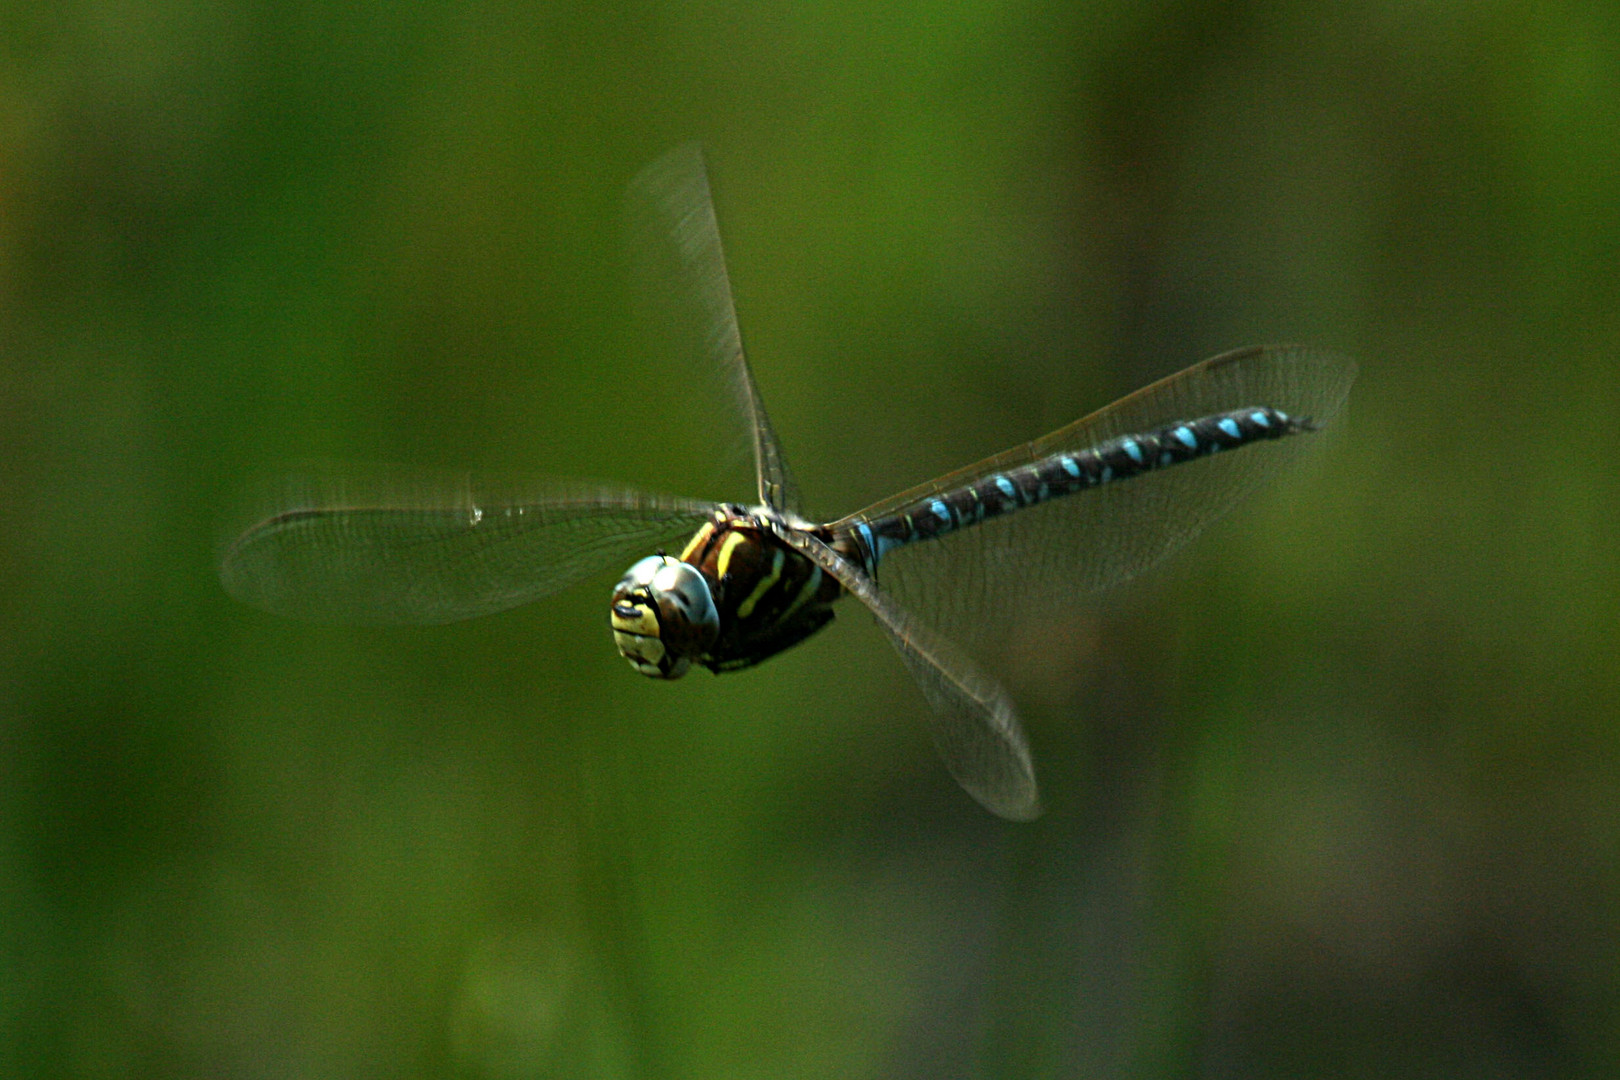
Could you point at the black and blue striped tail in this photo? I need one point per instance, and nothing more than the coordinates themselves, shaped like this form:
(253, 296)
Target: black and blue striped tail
(1062, 474)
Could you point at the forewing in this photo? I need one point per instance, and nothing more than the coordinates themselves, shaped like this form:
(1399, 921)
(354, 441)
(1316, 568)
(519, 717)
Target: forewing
(675, 245)
(379, 551)
(973, 722)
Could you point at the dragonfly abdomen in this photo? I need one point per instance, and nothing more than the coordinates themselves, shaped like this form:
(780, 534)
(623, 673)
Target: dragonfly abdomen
(995, 493)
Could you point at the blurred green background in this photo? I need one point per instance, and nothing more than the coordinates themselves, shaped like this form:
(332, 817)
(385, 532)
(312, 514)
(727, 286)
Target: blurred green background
(1334, 794)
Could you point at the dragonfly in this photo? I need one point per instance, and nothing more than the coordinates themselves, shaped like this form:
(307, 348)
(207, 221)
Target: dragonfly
(1028, 531)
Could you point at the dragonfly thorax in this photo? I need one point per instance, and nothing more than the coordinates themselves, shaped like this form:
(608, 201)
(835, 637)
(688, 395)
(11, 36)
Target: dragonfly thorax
(739, 594)
(663, 616)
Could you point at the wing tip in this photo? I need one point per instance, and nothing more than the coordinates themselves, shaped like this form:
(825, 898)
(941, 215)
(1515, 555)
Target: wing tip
(1023, 810)
(1298, 350)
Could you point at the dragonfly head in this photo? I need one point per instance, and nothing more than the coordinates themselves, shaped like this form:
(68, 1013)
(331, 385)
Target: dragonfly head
(663, 616)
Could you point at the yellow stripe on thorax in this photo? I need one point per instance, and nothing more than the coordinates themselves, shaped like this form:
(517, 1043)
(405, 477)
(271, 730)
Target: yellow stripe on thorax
(737, 537)
(699, 538)
(746, 608)
(806, 591)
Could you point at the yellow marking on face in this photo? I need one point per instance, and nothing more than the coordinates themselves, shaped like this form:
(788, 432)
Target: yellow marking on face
(746, 608)
(640, 651)
(699, 538)
(726, 549)
(645, 623)
(811, 584)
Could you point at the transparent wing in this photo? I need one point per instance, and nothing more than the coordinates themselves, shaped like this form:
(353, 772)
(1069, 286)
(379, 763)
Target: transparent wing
(973, 723)
(675, 242)
(382, 551)
(970, 583)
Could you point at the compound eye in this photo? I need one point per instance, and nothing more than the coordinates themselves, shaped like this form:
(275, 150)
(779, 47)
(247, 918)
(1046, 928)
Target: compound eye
(640, 575)
(686, 606)
(663, 616)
